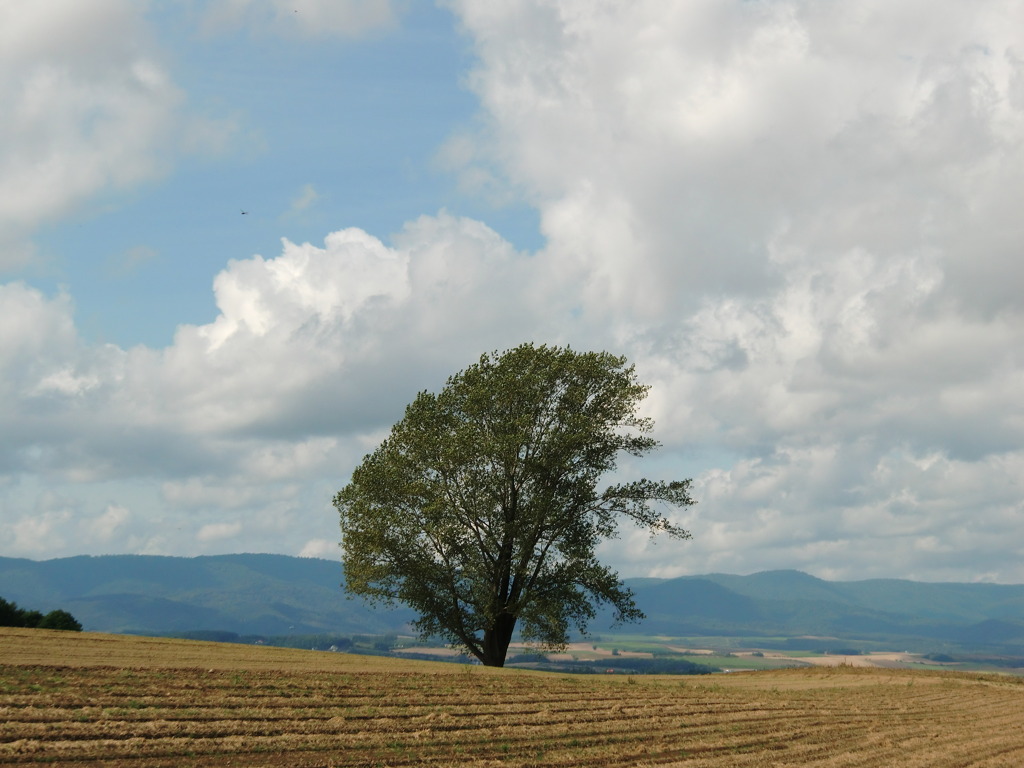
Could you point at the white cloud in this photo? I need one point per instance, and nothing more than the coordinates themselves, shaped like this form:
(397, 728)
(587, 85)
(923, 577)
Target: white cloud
(84, 103)
(322, 338)
(799, 219)
(218, 531)
(88, 108)
(325, 549)
(207, 493)
(109, 523)
(264, 411)
(38, 534)
(669, 147)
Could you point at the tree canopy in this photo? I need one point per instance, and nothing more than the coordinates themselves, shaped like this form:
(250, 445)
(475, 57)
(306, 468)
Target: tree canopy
(482, 508)
(13, 616)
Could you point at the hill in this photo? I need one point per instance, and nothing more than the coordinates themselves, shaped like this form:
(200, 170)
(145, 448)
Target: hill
(253, 594)
(247, 594)
(801, 608)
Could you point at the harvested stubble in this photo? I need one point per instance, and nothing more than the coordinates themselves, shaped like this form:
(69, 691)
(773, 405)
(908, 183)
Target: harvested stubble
(64, 700)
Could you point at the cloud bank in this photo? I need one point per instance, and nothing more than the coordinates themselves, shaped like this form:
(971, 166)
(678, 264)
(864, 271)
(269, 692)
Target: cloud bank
(799, 219)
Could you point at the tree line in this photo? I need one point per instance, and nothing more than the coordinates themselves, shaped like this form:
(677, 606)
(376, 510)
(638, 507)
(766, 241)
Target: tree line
(13, 616)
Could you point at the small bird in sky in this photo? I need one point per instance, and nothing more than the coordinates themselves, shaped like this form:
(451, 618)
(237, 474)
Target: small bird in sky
(245, 213)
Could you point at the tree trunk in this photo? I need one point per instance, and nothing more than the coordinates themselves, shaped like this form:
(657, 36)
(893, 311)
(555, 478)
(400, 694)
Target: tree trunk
(496, 640)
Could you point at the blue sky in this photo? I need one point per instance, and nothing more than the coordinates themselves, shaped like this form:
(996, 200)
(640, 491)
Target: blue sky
(322, 133)
(799, 219)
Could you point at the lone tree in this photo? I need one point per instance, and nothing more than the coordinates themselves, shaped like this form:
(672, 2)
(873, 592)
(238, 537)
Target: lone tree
(481, 508)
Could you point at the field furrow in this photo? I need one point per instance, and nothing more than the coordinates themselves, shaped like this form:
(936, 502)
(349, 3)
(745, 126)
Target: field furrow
(260, 707)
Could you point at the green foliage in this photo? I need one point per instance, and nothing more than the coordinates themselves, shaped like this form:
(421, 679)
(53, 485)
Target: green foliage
(13, 616)
(209, 635)
(631, 666)
(528, 658)
(482, 510)
(60, 620)
(10, 614)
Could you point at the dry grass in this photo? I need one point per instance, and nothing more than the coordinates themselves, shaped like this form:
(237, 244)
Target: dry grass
(90, 700)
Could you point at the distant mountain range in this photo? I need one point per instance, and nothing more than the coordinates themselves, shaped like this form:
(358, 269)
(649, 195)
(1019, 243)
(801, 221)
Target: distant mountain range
(278, 595)
(795, 606)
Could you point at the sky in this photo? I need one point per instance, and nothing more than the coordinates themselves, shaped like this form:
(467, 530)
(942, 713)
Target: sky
(238, 236)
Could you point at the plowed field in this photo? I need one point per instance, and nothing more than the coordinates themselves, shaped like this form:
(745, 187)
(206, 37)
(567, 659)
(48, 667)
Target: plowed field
(98, 700)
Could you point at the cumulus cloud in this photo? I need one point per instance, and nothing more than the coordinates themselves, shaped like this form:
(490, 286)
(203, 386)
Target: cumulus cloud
(53, 519)
(696, 137)
(110, 522)
(39, 533)
(89, 107)
(262, 412)
(326, 549)
(217, 531)
(322, 339)
(315, 342)
(798, 219)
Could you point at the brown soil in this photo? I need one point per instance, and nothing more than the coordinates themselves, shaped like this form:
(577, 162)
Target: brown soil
(99, 700)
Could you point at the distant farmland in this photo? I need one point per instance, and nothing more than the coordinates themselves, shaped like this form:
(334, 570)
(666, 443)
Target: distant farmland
(88, 700)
